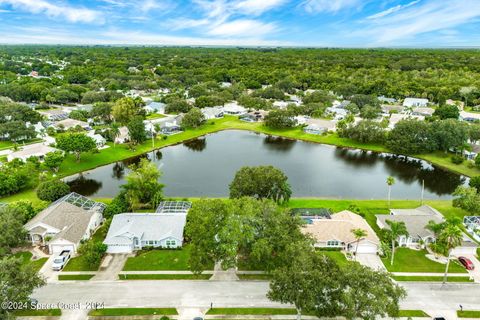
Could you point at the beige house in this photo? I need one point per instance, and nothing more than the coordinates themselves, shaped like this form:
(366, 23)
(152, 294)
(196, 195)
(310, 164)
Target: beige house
(336, 232)
(71, 123)
(38, 150)
(65, 223)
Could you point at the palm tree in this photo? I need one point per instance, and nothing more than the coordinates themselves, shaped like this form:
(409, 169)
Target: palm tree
(390, 183)
(452, 236)
(115, 132)
(359, 234)
(397, 229)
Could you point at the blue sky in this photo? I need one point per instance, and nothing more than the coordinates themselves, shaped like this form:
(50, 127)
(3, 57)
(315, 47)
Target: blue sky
(332, 23)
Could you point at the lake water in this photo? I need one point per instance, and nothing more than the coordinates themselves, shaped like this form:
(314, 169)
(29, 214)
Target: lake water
(204, 168)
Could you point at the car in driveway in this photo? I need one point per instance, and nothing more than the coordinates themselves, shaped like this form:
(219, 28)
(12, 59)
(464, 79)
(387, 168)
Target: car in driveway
(467, 263)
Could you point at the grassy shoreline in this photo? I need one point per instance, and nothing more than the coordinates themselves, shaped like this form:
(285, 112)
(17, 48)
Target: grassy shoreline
(114, 153)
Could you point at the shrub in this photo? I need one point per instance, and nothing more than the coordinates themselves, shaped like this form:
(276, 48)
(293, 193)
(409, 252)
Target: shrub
(457, 159)
(118, 205)
(52, 190)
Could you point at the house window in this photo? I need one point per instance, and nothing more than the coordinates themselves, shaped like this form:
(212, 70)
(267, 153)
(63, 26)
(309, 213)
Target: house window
(333, 243)
(171, 243)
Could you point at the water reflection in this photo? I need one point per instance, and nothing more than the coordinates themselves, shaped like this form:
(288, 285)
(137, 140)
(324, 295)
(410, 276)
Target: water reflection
(198, 144)
(198, 169)
(88, 187)
(278, 143)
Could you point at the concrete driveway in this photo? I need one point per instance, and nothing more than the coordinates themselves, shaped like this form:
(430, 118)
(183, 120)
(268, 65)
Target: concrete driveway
(47, 272)
(370, 260)
(114, 265)
(476, 272)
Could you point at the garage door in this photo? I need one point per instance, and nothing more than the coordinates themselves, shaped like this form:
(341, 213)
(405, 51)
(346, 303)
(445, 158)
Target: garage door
(57, 248)
(367, 248)
(119, 249)
(458, 251)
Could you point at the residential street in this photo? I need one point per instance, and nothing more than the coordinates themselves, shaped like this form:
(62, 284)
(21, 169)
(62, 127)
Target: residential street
(200, 294)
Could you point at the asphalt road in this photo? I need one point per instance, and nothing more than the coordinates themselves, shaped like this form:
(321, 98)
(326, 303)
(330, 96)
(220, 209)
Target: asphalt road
(199, 294)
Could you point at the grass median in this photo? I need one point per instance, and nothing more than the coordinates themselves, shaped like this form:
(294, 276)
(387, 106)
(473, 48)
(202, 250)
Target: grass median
(431, 279)
(164, 276)
(38, 313)
(468, 314)
(133, 312)
(72, 277)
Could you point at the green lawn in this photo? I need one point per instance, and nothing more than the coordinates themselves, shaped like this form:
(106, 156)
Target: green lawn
(164, 276)
(468, 314)
(413, 313)
(252, 311)
(153, 116)
(38, 313)
(133, 312)
(68, 277)
(431, 279)
(78, 263)
(254, 277)
(159, 260)
(27, 259)
(408, 260)
(337, 256)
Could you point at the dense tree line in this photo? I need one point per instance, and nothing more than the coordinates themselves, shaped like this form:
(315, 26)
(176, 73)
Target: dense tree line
(94, 74)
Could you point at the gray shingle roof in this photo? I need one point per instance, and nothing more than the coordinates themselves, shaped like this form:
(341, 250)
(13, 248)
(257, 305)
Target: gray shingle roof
(415, 223)
(145, 226)
(70, 214)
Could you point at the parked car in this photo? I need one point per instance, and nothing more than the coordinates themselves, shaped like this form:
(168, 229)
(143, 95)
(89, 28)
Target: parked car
(61, 260)
(467, 263)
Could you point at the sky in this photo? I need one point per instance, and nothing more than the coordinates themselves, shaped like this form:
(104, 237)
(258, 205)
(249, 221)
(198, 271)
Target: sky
(318, 23)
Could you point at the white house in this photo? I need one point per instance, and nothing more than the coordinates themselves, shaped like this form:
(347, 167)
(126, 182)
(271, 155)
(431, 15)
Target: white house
(135, 231)
(336, 232)
(415, 221)
(426, 112)
(71, 123)
(234, 108)
(155, 107)
(415, 102)
(99, 140)
(212, 113)
(319, 126)
(65, 223)
(123, 135)
(337, 112)
(397, 117)
(469, 116)
(38, 150)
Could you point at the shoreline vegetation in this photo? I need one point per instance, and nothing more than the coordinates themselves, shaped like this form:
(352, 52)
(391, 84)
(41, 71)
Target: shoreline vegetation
(114, 153)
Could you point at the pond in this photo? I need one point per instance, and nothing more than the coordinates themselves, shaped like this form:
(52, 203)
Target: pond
(204, 167)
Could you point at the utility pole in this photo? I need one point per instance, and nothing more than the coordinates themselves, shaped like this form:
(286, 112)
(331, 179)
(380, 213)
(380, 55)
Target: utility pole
(423, 189)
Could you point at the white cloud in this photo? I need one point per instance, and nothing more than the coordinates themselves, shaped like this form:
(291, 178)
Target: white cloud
(430, 16)
(122, 37)
(72, 14)
(256, 7)
(242, 28)
(217, 18)
(392, 10)
(315, 6)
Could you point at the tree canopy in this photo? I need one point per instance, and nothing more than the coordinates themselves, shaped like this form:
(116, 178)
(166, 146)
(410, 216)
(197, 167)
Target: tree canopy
(261, 182)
